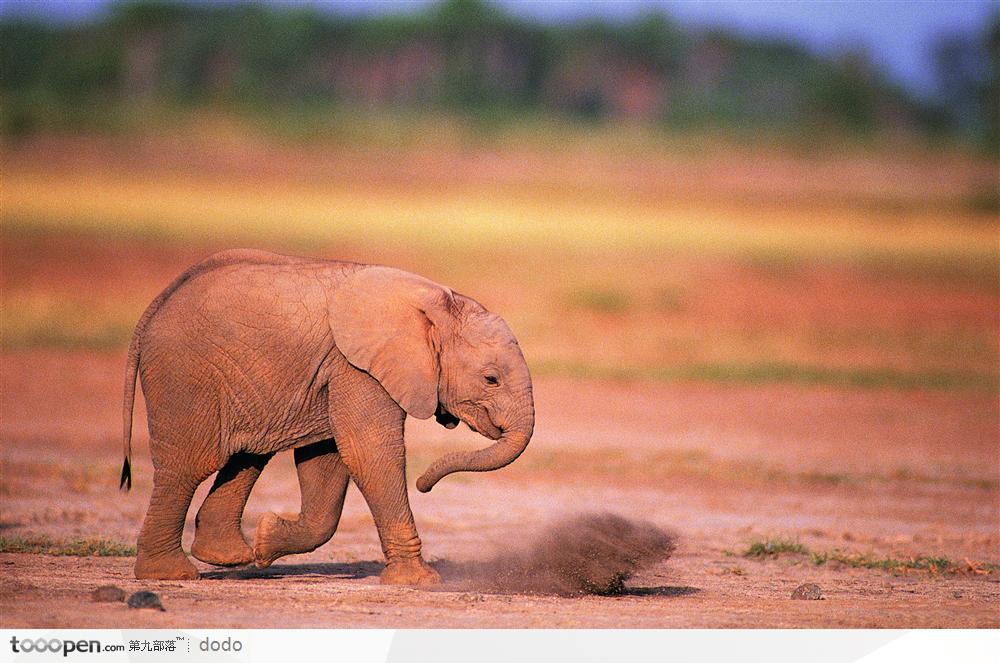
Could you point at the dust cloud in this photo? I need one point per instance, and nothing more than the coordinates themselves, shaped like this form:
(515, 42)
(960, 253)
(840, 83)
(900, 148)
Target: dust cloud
(577, 555)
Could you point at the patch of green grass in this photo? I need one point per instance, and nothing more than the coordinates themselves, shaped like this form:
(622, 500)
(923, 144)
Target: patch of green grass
(932, 564)
(43, 545)
(601, 301)
(865, 561)
(768, 372)
(769, 547)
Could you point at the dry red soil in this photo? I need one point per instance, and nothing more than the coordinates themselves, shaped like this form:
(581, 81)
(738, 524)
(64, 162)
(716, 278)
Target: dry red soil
(889, 473)
(897, 473)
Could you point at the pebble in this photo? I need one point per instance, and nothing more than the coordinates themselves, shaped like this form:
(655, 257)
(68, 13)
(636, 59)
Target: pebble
(145, 600)
(108, 594)
(808, 592)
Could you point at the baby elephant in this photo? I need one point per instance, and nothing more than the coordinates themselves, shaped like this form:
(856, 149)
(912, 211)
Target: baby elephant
(250, 353)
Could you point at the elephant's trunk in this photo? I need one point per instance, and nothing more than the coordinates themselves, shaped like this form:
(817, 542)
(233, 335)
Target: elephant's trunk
(503, 452)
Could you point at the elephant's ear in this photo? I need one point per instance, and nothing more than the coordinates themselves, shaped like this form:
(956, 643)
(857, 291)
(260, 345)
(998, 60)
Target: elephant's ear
(382, 320)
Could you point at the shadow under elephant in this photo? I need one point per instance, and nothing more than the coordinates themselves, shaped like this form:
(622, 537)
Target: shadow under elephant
(580, 555)
(456, 577)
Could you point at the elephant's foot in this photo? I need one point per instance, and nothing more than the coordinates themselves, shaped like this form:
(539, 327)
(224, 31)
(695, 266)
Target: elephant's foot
(409, 571)
(269, 542)
(221, 549)
(172, 566)
(277, 537)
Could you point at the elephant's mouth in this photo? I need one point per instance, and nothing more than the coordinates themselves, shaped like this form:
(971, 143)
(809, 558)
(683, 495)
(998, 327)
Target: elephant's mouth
(476, 418)
(445, 418)
(483, 424)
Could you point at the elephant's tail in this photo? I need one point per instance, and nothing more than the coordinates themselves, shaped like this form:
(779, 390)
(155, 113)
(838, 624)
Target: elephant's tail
(131, 370)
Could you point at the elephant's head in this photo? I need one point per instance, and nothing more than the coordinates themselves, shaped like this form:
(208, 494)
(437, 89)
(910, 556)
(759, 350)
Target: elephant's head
(437, 352)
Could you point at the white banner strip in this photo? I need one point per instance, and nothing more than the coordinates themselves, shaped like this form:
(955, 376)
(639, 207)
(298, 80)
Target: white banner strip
(487, 646)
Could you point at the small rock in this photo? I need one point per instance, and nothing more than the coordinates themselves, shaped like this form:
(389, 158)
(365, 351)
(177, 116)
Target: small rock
(145, 600)
(108, 594)
(808, 592)
(956, 595)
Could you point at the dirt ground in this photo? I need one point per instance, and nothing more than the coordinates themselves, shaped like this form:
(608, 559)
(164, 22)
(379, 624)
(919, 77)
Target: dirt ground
(890, 473)
(848, 407)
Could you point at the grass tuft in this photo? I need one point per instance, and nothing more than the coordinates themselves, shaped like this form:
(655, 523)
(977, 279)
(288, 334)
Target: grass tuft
(918, 563)
(43, 545)
(931, 564)
(771, 547)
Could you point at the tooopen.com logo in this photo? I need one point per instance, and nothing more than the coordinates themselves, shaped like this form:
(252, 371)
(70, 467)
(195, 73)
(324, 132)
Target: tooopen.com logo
(55, 646)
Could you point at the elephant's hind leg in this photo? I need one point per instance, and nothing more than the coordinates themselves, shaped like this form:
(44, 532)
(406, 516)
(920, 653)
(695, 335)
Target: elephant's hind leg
(159, 546)
(323, 480)
(218, 538)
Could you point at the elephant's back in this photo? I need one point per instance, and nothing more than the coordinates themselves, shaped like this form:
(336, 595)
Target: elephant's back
(237, 283)
(239, 341)
(239, 291)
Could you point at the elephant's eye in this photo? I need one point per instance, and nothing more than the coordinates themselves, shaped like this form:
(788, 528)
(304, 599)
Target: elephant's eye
(492, 380)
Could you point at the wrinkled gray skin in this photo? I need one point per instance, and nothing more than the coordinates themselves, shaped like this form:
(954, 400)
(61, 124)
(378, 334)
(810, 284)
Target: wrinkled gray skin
(249, 353)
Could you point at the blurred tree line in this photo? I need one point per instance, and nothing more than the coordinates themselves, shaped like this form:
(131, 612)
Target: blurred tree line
(469, 57)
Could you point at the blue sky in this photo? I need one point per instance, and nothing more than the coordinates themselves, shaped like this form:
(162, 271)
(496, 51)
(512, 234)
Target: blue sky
(897, 33)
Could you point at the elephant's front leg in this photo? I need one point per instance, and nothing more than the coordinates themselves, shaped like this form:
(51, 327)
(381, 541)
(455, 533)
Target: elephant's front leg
(323, 480)
(369, 434)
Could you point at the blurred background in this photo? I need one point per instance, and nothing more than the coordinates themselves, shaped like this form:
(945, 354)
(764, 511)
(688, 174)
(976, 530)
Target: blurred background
(909, 68)
(729, 191)
(749, 249)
